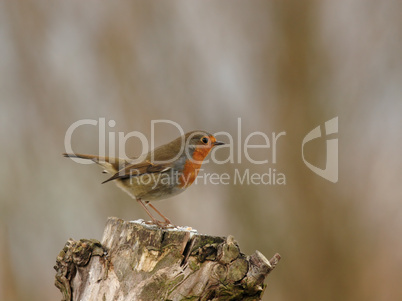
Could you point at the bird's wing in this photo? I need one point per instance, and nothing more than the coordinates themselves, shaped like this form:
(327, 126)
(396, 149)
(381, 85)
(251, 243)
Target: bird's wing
(135, 170)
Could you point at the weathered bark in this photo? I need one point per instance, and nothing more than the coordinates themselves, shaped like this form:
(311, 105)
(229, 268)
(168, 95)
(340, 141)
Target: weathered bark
(136, 261)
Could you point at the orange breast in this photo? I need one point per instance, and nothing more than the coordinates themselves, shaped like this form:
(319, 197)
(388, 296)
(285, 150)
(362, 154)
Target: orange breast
(192, 167)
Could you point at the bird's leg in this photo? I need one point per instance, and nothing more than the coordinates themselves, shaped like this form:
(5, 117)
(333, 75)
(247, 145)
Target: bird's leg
(149, 213)
(157, 211)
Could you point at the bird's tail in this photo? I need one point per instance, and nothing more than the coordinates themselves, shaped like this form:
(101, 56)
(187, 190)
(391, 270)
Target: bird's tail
(110, 164)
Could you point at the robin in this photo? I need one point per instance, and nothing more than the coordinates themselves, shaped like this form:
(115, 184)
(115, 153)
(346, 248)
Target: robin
(164, 172)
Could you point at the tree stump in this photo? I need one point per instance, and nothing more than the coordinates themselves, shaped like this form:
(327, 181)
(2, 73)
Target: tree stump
(137, 261)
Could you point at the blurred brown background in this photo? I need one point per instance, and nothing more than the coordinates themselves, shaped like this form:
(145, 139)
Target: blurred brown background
(278, 65)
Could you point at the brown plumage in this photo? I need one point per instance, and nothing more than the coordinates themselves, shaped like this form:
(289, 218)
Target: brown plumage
(165, 171)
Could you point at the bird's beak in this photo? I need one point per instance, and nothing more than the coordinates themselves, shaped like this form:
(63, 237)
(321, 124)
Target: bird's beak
(218, 143)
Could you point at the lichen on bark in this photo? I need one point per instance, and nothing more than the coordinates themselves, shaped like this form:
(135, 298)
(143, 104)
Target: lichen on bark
(136, 261)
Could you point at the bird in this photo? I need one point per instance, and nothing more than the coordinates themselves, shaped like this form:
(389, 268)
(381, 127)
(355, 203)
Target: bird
(161, 173)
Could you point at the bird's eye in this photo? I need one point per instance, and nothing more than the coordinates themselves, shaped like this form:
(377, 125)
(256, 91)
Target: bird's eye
(204, 140)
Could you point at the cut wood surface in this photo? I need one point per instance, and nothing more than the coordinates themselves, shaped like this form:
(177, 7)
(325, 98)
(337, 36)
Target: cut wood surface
(137, 261)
